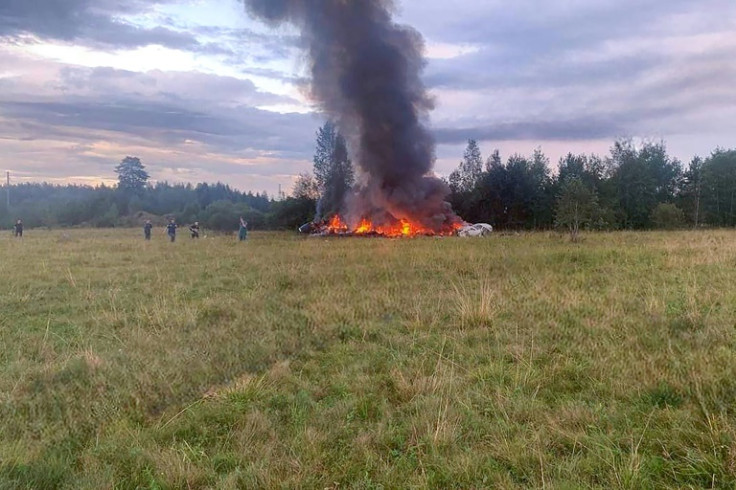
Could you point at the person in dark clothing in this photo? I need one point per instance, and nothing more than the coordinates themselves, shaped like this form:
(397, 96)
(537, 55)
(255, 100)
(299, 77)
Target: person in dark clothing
(171, 230)
(243, 231)
(147, 229)
(194, 229)
(19, 228)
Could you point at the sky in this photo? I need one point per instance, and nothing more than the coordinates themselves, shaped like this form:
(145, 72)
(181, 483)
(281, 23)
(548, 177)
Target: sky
(200, 92)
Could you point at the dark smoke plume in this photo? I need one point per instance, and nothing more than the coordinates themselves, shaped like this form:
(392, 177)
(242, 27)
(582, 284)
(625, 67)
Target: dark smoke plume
(366, 77)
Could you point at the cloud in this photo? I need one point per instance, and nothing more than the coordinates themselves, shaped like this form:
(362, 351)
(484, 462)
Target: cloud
(573, 70)
(98, 23)
(249, 42)
(188, 124)
(538, 28)
(209, 106)
(191, 88)
(570, 130)
(165, 124)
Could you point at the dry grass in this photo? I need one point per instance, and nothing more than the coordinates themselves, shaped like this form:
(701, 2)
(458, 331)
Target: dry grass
(510, 362)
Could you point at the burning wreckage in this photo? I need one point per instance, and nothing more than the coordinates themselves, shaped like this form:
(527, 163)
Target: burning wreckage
(403, 228)
(365, 72)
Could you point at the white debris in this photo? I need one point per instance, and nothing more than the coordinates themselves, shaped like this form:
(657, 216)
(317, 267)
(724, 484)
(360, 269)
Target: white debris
(478, 229)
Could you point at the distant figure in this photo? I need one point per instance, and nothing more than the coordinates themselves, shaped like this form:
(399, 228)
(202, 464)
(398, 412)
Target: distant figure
(194, 229)
(147, 229)
(171, 229)
(18, 228)
(243, 232)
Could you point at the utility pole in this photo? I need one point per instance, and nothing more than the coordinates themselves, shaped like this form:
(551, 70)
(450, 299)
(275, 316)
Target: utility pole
(7, 191)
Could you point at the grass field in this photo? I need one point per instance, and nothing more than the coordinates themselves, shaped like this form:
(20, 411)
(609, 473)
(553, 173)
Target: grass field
(510, 362)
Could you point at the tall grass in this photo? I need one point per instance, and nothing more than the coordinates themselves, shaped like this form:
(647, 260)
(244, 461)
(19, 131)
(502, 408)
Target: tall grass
(284, 362)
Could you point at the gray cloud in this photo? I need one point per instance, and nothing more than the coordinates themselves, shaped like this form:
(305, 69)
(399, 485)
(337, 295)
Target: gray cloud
(163, 124)
(483, 70)
(533, 28)
(271, 45)
(667, 104)
(571, 71)
(185, 125)
(94, 22)
(102, 24)
(191, 88)
(570, 130)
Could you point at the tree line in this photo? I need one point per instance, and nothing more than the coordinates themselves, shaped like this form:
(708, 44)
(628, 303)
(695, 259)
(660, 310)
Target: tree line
(634, 187)
(134, 199)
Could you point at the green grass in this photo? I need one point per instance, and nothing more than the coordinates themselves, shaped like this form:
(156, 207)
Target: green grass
(285, 362)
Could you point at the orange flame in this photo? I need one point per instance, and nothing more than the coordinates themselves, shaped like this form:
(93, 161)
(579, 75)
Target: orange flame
(401, 228)
(365, 226)
(336, 225)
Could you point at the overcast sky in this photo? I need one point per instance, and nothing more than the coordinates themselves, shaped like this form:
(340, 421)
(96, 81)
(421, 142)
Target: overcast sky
(202, 93)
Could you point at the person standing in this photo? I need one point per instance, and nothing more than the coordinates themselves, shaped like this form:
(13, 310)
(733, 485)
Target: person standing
(147, 229)
(171, 229)
(194, 229)
(18, 232)
(243, 231)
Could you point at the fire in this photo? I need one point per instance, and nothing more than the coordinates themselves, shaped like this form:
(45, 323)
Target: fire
(364, 227)
(336, 225)
(401, 228)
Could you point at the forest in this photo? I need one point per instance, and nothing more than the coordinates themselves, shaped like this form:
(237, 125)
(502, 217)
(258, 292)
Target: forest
(635, 186)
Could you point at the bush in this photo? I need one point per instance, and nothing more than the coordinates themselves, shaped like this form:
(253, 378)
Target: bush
(291, 213)
(225, 216)
(577, 206)
(667, 216)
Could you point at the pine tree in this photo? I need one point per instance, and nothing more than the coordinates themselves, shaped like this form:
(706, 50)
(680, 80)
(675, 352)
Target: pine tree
(471, 168)
(333, 169)
(132, 175)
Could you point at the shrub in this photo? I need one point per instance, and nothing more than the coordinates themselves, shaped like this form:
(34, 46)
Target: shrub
(667, 216)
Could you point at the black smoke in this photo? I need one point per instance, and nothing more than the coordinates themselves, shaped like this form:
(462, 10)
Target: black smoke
(365, 74)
